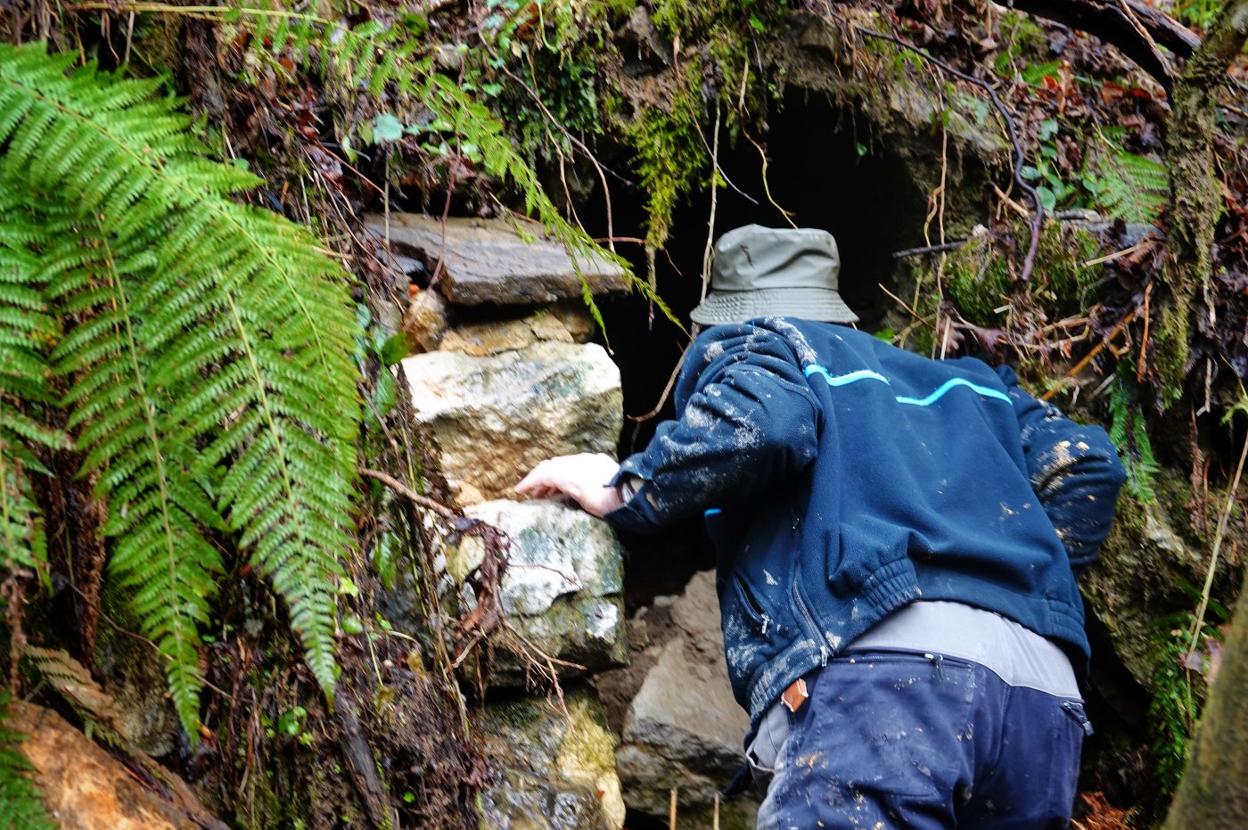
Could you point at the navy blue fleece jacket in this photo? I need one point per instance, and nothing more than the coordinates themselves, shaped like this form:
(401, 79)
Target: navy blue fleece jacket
(842, 478)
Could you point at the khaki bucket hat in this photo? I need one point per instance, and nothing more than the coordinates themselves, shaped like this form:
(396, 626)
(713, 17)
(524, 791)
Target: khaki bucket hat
(774, 272)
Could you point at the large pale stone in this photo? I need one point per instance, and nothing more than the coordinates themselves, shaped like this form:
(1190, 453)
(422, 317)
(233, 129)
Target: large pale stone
(85, 788)
(562, 588)
(496, 417)
(487, 261)
(683, 728)
(554, 770)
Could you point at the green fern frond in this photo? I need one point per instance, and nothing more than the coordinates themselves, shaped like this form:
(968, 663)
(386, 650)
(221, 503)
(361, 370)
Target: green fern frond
(1127, 186)
(226, 326)
(158, 510)
(25, 331)
(75, 684)
(21, 805)
(1127, 431)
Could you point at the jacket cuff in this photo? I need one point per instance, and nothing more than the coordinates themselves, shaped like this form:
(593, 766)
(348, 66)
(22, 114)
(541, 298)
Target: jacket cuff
(629, 481)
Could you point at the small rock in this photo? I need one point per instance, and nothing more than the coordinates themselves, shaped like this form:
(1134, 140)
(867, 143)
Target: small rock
(465, 557)
(639, 40)
(146, 720)
(488, 261)
(575, 318)
(555, 770)
(495, 418)
(497, 336)
(425, 322)
(85, 788)
(548, 327)
(562, 588)
(485, 339)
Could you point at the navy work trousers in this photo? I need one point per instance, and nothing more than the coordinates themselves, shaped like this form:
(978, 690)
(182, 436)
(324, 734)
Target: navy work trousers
(906, 741)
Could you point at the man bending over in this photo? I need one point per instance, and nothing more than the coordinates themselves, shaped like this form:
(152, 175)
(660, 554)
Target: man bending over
(897, 543)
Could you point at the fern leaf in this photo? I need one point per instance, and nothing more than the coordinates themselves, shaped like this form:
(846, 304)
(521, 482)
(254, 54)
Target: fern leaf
(157, 510)
(1128, 432)
(271, 333)
(21, 805)
(1127, 186)
(25, 329)
(74, 683)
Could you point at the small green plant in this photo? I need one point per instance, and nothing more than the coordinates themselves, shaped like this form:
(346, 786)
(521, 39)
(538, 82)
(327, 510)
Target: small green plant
(1179, 689)
(1199, 14)
(1127, 431)
(21, 805)
(1123, 184)
(1045, 172)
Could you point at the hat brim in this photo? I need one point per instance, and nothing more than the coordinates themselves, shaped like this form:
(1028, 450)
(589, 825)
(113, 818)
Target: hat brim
(819, 304)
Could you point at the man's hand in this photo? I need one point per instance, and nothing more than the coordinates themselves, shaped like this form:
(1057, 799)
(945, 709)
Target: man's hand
(585, 478)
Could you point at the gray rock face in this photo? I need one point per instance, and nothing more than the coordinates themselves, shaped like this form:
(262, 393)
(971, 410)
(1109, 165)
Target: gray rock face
(1142, 565)
(496, 417)
(487, 261)
(683, 728)
(554, 771)
(562, 588)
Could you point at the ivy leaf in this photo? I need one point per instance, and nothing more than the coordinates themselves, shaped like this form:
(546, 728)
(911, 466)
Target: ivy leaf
(393, 350)
(387, 128)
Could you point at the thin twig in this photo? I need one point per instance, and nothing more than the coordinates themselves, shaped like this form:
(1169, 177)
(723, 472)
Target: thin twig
(1090, 356)
(667, 390)
(903, 304)
(1143, 359)
(710, 222)
(1217, 547)
(1037, 216)
(409, 494)
(924, 250)
(767, 187)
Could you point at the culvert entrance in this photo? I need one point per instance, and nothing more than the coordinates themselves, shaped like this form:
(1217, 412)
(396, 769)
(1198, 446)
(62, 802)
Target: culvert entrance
(826, 169)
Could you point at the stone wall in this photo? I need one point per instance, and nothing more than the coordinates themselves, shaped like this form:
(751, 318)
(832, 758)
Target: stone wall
(503, 378)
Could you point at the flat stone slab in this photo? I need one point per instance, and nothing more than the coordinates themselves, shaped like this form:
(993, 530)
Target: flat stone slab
(488, 261)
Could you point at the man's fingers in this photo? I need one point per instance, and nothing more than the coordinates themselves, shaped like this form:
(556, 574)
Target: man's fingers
(537, 477)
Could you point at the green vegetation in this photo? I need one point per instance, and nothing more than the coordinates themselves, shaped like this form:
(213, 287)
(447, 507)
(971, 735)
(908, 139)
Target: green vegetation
(670, 156)
(1128, 431)
(23, 805)
(201, 350)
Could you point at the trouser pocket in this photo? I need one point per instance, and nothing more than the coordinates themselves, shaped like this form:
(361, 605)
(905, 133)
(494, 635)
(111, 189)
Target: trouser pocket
(763, 753)
(1074, 709)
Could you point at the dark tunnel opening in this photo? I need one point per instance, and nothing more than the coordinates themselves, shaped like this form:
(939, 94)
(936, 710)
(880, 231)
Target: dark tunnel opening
(827, 171)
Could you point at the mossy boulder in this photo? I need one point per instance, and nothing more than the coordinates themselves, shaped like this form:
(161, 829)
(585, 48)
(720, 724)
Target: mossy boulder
(1153, 565)
(553, 763)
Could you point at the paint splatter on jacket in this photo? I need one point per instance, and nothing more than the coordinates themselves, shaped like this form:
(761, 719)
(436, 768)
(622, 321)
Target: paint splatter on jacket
(842, 478)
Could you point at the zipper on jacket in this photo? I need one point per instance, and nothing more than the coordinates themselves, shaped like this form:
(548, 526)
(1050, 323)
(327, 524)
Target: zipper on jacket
(810, 622)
